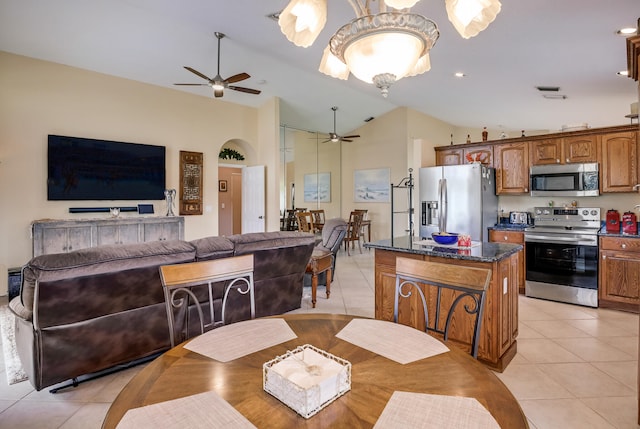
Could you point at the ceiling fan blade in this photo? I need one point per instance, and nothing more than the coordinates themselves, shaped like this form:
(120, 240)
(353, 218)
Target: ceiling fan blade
(192, 84)
(351, 137)
(196, 72)
(346, 140)
(241, 89)
(237, 78)
(326, 141)
(218, 93)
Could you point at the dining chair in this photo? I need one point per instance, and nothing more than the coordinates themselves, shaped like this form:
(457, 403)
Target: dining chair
(187, 279)
(305, 222)
(466, 285)
(364, 215)
(318, 219)
(354, 228)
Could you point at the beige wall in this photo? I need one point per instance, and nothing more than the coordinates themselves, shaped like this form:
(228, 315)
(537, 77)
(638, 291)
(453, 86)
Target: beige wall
(40, 98)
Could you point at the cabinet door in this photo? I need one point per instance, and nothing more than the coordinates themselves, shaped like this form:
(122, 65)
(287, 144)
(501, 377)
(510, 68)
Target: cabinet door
(106, 234)
(172, 230)
(512, 168)
(153, 231)
(128, 233)
(79, 237)
(484, 154)
(618, 162)
(54, 240)
(449, 157)
(546, 152)
(515, 237)
(619, 280)
(580, 149)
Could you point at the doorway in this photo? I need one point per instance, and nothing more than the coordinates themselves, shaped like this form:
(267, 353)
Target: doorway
(229, 201)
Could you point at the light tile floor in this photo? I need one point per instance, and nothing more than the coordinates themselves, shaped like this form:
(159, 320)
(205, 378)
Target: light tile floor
(576, 367)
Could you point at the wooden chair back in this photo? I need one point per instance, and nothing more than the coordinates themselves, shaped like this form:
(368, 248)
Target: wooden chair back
(179, 278)
(467, 285)
(354, 228)
(305, 222)
(318, 219)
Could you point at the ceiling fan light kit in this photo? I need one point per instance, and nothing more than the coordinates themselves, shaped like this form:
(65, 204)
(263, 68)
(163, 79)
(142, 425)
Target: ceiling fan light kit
(384, 47)
(218, 84)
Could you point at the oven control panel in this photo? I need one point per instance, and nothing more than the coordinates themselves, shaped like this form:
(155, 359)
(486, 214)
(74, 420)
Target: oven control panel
(572, 214)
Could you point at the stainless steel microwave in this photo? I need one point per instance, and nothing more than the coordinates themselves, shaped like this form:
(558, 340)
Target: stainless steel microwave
(568, 180)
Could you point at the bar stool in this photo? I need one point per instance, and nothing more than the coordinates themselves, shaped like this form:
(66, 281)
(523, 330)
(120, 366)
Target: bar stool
(180, 278)
(467, 281)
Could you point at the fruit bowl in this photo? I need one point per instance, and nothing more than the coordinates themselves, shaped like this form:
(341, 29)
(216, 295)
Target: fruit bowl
(445, 237)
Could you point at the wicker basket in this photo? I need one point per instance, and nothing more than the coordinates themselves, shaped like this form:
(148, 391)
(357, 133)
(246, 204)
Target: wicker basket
(307, 379)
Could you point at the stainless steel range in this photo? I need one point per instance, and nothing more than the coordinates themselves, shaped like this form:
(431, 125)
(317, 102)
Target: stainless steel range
(562, 255)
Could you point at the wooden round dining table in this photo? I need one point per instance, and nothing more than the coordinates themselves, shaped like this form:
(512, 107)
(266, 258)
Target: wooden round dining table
(180, 372)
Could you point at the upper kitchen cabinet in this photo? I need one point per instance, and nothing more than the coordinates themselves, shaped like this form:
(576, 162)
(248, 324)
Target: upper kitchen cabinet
(618, 161)
(567, 150)
(446, 156)
(478, 153)
(511, 161)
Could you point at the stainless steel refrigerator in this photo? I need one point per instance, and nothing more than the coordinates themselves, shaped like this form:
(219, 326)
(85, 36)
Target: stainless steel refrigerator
(458, 198)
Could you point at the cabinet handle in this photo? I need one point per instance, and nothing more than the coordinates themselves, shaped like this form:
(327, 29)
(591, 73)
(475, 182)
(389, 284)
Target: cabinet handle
(604, 256)
(557, 161)
(624, 246)
(505, 238)
(567, 160)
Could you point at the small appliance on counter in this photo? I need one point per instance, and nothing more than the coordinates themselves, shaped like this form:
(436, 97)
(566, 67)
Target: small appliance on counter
(629, 223)
(520, 218)
(613, 221)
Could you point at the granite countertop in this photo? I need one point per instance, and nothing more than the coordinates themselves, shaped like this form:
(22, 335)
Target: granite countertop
(509, 227)
(484, 252)
(603, 232)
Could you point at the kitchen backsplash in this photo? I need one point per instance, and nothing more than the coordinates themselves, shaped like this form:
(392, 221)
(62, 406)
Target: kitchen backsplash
(622, 202)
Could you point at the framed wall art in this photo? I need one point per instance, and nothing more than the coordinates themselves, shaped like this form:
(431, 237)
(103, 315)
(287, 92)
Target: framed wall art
(371, 186)
(317, 187)
(222, 185)
(191, 170)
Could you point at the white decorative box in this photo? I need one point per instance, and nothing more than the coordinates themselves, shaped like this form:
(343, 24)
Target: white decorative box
(307, 379)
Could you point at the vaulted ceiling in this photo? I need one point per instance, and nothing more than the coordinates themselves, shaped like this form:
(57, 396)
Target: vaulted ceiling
(571, 44)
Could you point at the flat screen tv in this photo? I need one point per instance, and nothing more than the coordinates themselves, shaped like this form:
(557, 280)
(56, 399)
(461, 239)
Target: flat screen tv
(88, 169)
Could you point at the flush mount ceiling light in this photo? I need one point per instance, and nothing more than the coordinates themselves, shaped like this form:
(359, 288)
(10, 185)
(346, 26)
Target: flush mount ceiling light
(381, 48)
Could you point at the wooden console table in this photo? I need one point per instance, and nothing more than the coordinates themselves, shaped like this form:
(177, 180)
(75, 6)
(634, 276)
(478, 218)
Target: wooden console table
(62, 236)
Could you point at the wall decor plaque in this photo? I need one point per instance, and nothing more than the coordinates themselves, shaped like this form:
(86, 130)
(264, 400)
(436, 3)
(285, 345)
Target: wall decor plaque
(191, 171)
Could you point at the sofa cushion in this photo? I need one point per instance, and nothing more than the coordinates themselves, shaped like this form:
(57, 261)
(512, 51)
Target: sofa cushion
(212, 248)
(246, 243)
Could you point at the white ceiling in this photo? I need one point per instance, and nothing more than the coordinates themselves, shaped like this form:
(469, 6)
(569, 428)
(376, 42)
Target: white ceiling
(567, 43)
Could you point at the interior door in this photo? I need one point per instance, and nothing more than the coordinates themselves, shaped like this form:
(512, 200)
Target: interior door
(253, 199)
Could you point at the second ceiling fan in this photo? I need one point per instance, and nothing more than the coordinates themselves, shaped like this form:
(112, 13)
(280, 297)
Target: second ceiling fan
(334, 137)
(217, 83)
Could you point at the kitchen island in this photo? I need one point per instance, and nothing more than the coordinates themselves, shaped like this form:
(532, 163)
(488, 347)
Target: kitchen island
(497, 345)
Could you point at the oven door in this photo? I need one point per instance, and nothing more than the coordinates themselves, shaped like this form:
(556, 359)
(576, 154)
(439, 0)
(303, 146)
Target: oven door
(562, 271)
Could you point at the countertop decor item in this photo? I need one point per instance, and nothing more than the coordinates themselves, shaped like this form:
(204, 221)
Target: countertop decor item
(444, 237)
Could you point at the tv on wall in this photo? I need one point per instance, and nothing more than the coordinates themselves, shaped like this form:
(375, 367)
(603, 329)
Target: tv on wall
(88, 169)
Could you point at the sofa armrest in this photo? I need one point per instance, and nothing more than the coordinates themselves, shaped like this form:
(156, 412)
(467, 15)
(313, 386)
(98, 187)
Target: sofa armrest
(16, 307)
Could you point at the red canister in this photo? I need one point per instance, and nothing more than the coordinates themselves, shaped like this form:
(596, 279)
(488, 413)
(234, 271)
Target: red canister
(629, 223)
(613, 221)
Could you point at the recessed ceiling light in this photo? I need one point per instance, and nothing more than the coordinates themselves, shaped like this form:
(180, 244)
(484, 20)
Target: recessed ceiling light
(459, 74)
(623, 73)
(627, 31)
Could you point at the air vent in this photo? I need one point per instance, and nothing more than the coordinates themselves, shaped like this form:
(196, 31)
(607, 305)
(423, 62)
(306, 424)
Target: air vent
(274, 16)
(548, 88)
(369, 119)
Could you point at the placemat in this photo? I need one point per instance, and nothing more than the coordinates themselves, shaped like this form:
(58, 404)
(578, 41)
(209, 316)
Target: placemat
(236, 340)
(394, 341)
(407, 410)
(204, 410)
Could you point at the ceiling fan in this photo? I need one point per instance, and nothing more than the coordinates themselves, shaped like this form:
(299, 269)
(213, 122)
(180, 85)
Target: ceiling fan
(334, 137)
(217, 83)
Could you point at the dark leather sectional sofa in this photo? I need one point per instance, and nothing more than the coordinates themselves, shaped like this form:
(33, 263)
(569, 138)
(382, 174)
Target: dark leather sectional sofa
(82, 312)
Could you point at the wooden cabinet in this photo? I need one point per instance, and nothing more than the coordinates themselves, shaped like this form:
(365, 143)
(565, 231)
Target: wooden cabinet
(483, 153)
(497, 344)
(618, 161)
(62, 236)
(515, 237)
(567, 150)
(511, 161)
(453, 156)
(619, 275)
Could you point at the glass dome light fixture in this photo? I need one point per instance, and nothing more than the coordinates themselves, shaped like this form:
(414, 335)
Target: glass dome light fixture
(381, 48)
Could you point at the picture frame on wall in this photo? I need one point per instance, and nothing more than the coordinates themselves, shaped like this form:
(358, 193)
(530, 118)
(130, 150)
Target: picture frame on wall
(372, 186)
(191, 172)
(222, 185)
(317, 187)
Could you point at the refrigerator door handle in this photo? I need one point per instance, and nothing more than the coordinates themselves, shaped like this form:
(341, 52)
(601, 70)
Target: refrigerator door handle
(442, 197)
